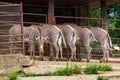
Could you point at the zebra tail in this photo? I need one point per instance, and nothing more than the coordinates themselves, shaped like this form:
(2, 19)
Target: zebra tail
(74, 37)
(110, 42)
(63, 39)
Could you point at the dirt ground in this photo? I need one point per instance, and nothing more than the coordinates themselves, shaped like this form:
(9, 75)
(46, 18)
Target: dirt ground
(51, 65)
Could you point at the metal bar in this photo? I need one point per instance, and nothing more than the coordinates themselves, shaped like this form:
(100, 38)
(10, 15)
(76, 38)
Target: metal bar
(114, 28)
(15, 42)
(5, 3)
(116, 38)
(7, 13)
(113, 19)
(11, 48)
(11, 15)
(9, 35)
(6, 25)
(1, 32)
(9, 22)
(21, 13)
(77, 17)
(9, 5)
(34, 14)
(32, 22)
(32, 5)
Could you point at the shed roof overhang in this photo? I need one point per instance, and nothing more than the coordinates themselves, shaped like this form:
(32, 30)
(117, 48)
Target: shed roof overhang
(66, 3)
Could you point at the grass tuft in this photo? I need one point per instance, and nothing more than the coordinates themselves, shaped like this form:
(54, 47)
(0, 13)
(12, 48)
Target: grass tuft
(94, 68)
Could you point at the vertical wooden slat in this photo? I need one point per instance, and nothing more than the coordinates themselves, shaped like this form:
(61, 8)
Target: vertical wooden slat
(104, 14)
(51, 18)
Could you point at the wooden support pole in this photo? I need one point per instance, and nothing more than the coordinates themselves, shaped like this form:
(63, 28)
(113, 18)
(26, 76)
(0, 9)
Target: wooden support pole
(104, 14)
(51, 18)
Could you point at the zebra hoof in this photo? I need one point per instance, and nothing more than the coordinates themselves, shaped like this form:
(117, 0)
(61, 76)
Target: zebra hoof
(71, 59)
(88, 60)
(102, 60)
(50, 59)
(75, 59)
(41, 59)
(56, 59)
(79, 59)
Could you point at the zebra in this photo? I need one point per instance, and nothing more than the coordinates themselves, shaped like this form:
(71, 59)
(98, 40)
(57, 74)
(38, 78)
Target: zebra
(103, 38)
(83, 36)
(70, 38)
(53, 36)
(31, 36)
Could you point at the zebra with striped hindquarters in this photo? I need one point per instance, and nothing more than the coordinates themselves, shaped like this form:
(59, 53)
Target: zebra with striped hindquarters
(31, 36)
(84, 36)
(53, 36)
(70, 38)
(103, 38)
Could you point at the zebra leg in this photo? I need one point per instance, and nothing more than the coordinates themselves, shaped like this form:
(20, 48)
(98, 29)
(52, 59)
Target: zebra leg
(56, 47)
(78, 52)
(88, 50)
(73, 52)
(31, 50)
(51, 51)
(60, 47)
(105, 51)
(61, 52)
(41, 52)
(88, 47)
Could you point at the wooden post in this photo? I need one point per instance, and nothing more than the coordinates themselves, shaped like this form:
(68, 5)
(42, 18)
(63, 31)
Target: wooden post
(51, 18)
(104, 14)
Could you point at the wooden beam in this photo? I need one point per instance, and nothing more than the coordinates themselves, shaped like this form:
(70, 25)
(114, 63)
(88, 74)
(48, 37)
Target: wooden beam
(104, 14)
(51, 18)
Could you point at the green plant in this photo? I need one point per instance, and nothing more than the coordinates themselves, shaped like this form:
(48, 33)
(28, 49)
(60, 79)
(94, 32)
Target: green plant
(94, 68)
(13, 75)
(91, 68)
(49, 74)
(28, 75)
(105, 67)
(67, 71)
(99, 77)
(76, 69)
(61, 72)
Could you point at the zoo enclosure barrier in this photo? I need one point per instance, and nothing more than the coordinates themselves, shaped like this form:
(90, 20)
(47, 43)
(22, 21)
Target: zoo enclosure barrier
(71, 19)
(10, 14)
